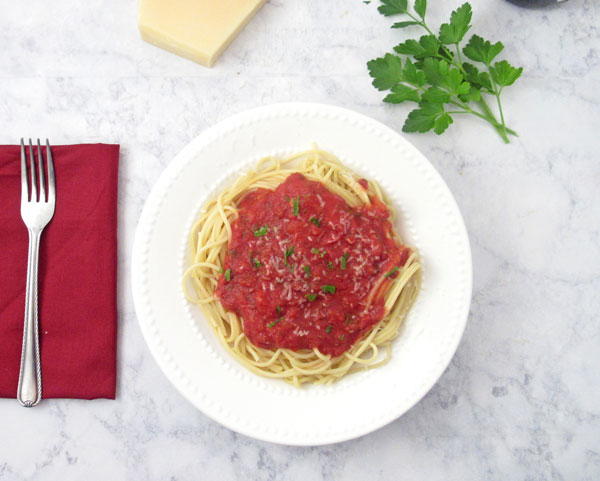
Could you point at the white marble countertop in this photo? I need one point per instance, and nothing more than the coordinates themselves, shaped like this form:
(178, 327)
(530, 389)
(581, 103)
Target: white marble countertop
(520, 400)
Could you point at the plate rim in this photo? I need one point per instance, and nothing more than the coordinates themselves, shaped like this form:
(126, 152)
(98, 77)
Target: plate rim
(145, 225)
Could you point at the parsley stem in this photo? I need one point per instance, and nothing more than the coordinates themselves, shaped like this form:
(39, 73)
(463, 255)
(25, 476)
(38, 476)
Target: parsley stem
(502, 130)
(496, 91)
(500, 110)
(488, 116)
(458, 55)
(420, 22)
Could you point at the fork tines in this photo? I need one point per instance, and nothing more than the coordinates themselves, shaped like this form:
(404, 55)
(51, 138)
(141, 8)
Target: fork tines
(37, 178)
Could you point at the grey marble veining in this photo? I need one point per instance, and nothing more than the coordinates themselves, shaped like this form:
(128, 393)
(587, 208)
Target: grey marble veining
(520, 400)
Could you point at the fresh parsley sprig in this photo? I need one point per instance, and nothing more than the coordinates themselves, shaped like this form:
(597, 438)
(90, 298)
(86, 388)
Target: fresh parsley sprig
(431, 71)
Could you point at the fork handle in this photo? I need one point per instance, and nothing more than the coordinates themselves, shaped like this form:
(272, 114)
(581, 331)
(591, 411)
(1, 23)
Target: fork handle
(29, 391)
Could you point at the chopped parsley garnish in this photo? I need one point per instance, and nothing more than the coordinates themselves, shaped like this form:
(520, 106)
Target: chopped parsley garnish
(278, 309)
(275, 322)
(330, 265)
(296, 206)
(392, 272)
(307, 271)
(261, 231)
(311, 297)
(228, 275)
(256, 263)
(288, 252)
(344, 261)
(315, 221)
(328, 288)
(329, 328)
(319, 252)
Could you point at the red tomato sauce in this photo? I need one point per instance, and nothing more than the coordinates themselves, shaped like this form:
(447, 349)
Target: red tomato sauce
(301, 264)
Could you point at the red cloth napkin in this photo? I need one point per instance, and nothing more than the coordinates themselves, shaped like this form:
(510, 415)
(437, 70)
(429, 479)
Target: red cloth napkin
(77, 274)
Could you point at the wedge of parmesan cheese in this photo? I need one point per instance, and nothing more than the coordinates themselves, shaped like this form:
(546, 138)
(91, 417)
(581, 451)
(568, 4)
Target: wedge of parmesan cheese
(199, 30)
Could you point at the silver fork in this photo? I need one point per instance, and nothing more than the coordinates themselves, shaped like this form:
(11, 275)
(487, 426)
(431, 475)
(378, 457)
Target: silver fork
(37, 208)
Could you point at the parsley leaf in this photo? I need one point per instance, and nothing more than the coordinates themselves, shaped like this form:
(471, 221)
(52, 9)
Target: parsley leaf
(393, 7)
(441, 123)
(256, 263)
(261, 231)
(504, 74)
(329, 328)
(426, 46)
(315, 221)
(479, 80)
(288, 252)
(311, 297)
(436, 95)
(481, 50)
(307, 272)
(405, 24)
(296, 206)
(227, 275)
(429, 116)
(275, 322)
(344, 261)
(439, 73)
(392, 272)
(454, 32)
(386, 71)
(473, 95)
(328, 288)
(401, 93)
(421, 7)
(412, 75)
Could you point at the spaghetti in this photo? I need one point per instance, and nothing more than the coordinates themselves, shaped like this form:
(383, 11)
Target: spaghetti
(330, 348)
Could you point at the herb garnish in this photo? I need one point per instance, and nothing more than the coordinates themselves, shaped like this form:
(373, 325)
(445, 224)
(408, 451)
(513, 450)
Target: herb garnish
(256, 263)
(319, 252)
(311, 297)
(315, 221)
(307, 271)
(228, 275)
(288, 252)
(431, 72)
(261, 231)
(328, 288)
(273, 323)
(344, 261)
(278, 309)
(329, 328)
(330, 265)
(392, 272)
(296, 206)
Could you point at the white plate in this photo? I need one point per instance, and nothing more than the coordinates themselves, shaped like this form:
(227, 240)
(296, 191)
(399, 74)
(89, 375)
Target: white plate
(184, 344)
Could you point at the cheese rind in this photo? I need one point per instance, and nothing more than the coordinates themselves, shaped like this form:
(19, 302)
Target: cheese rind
(199, 30)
